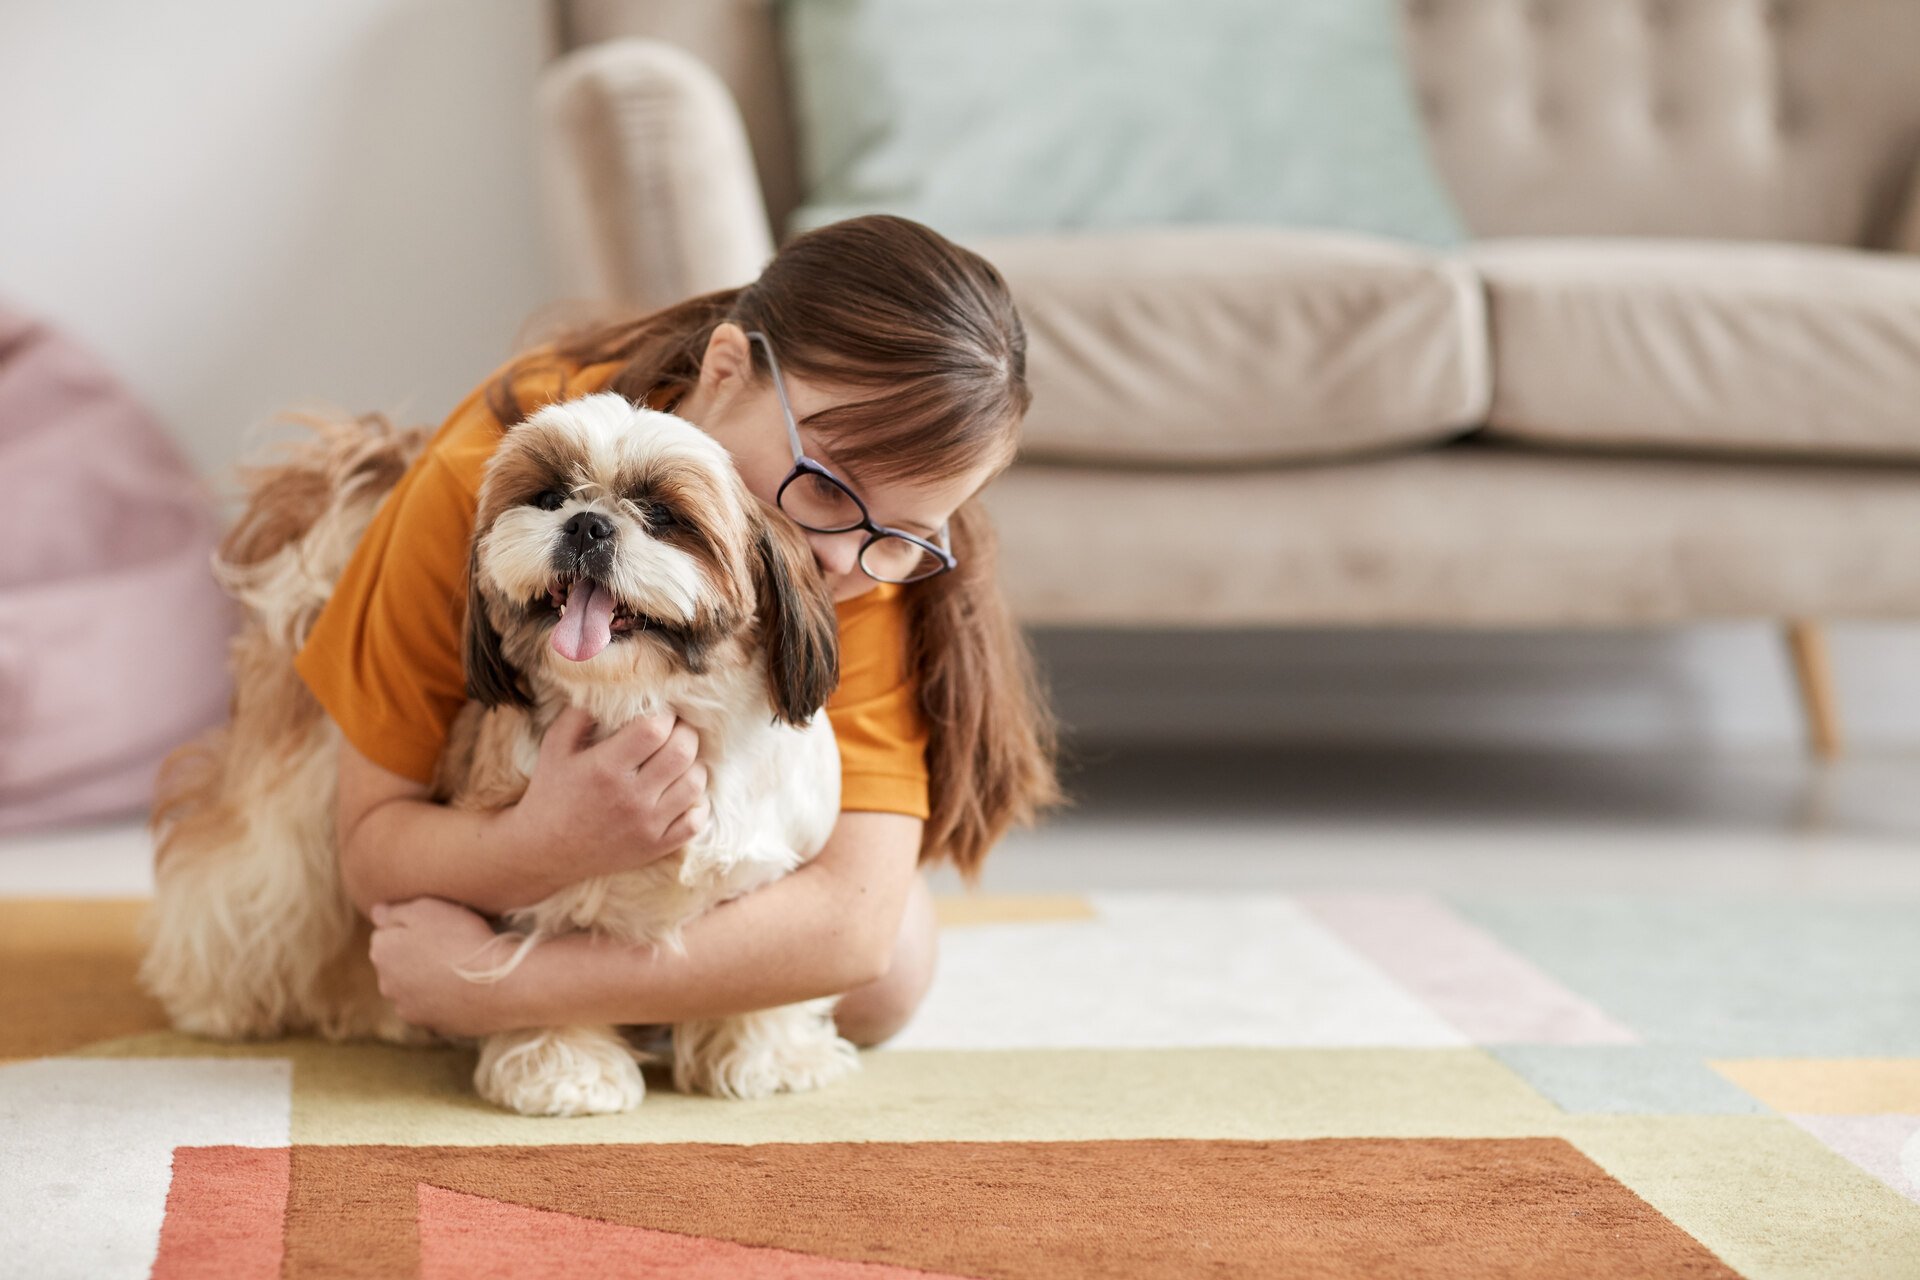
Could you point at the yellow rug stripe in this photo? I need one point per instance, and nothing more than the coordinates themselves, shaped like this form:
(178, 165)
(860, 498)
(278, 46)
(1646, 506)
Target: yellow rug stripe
(363, 1094)
(1761, 1192)
(64, 926)
(1830, 1086)
(67, 975)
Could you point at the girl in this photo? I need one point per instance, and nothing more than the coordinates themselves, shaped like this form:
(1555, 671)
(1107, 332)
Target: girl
(903, 361)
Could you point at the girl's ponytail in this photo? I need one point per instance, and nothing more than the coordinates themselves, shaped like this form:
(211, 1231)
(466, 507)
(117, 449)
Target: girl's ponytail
(990, 757)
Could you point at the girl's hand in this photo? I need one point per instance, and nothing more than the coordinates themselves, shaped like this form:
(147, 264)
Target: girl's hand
(417, 947)
(615, 805)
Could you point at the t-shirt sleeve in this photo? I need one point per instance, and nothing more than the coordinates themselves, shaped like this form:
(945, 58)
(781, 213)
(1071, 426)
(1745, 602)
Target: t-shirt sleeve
(384, 657)
(876, 713)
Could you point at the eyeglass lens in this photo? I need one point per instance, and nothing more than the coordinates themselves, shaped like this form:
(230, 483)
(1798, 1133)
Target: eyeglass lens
(893, 559)
(820, 504)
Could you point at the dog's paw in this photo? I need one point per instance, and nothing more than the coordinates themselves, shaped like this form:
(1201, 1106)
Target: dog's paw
(788, 1050)
(560, 1071)
(797, 1068)
(372, 1017)
(394, 1029)
(216, 1023)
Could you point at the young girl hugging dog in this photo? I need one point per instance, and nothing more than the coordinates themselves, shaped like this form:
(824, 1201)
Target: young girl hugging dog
(902, 361)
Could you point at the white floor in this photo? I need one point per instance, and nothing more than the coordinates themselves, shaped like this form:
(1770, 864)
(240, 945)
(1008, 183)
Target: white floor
(1214, 819)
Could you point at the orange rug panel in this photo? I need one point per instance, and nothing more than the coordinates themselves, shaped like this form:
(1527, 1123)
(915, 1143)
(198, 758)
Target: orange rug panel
(1337, 1207)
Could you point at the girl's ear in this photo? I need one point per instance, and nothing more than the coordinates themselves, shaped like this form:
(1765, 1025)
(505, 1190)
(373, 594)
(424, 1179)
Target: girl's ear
(797, 622)
(492, 681)
(727, 361)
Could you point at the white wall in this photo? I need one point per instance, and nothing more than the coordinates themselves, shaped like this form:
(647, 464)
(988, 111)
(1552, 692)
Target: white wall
(243, 205)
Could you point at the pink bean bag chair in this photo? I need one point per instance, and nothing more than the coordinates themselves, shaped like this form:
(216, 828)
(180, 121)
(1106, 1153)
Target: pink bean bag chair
(113, 632)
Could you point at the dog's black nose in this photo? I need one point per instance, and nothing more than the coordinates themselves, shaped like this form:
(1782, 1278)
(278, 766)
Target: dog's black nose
(587, 529)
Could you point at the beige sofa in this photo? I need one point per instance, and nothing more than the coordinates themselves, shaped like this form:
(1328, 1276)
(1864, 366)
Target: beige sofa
(1676, 379)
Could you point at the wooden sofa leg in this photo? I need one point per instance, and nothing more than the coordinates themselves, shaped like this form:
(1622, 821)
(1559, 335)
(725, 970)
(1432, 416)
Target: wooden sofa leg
(1807, 641)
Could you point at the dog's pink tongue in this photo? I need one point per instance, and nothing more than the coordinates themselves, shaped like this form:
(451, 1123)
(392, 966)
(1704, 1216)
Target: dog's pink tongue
(587, 625)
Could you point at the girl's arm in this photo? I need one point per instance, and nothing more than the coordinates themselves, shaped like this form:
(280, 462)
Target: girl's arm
(588, 810)
(827, 928)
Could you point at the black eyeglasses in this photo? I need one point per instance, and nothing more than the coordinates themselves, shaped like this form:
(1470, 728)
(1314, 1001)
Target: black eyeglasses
(820, 501)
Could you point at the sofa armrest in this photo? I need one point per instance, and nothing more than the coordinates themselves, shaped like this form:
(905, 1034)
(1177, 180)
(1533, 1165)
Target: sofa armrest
(648, 179)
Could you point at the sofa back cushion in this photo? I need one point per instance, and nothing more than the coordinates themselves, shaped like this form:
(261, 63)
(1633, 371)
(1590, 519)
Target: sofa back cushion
(1759, 119)
(1210, 345)
(1724, 119)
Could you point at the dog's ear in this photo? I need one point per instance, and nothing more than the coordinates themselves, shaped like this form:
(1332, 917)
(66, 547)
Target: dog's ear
(491, 679)
(797, 621)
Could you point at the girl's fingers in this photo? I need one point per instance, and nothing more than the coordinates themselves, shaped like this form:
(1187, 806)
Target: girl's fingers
(667, 765)
(684, 792)
(686, 827)
(635, 743)
(568, 732)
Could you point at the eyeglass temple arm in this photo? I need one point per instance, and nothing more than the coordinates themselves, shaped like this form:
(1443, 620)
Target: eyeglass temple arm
(780, 389)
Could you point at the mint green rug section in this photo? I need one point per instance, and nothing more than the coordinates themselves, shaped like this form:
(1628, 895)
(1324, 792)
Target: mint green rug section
(1630, 1079)
(1729, 977)
(990, 117)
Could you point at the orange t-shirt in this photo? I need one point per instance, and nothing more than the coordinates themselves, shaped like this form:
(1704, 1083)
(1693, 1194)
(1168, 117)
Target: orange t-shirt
(384, 658)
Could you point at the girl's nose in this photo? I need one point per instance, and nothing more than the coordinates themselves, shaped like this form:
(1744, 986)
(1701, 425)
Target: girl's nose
(837, 553)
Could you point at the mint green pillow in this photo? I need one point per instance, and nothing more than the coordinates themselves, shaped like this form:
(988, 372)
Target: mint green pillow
(983, 117)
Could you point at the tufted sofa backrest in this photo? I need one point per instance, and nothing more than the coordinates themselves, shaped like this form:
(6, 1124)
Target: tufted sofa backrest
(1739, 119)
(1748, 119)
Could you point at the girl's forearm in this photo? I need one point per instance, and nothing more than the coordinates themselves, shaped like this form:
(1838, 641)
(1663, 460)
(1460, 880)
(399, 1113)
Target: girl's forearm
(821, 931)
(404, 848)
(590, 808)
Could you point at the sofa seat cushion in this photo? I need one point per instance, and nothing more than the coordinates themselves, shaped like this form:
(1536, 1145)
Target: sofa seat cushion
(1764, 348)
(1234, 345)
(1465, 535)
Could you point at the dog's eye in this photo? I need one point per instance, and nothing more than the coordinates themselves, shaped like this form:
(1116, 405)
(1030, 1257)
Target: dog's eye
(551, 500)
(661, 517)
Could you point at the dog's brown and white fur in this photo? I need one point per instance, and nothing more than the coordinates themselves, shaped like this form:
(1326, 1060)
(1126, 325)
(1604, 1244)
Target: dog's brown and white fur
(618, 565)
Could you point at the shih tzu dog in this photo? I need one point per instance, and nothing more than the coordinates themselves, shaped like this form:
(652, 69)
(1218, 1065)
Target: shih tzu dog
(618, 564)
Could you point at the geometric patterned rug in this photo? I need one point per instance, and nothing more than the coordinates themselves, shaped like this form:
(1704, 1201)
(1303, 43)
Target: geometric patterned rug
(1328, 1084)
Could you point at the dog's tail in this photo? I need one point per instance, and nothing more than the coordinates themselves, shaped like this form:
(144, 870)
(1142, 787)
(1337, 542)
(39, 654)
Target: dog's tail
(249, 924)
(305, 513)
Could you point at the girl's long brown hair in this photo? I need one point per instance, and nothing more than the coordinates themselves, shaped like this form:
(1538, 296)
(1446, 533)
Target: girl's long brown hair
(926, 335)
